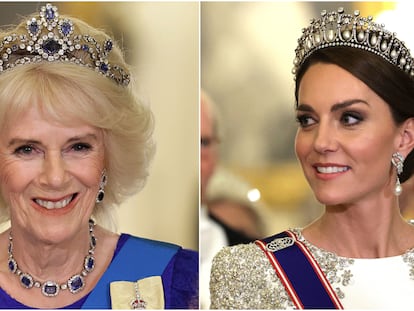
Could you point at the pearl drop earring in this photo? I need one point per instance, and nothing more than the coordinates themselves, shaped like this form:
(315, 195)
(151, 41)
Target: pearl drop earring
(398, 161)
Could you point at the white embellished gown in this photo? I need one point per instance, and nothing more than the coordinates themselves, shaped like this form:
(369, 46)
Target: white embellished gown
(243, 278)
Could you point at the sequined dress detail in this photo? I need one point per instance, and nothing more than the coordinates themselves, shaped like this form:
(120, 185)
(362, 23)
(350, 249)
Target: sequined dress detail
(243, 278)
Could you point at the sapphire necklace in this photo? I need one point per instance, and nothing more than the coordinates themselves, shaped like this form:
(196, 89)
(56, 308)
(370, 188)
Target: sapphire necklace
(51, 288)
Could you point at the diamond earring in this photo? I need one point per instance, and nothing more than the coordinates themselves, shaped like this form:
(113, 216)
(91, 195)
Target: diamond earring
(398, 161)
(101, 192)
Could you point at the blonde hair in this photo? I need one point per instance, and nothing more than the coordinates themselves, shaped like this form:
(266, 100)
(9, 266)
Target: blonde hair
(66, 92)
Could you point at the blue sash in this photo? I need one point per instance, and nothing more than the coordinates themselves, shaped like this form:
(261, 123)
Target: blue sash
(299, 272)
(138, 258)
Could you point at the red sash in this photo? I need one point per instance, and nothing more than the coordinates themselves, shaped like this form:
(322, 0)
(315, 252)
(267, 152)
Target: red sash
(299, 272)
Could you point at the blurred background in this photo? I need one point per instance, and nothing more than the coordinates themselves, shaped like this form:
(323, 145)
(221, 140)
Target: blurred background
(247, 52)
(161, 40)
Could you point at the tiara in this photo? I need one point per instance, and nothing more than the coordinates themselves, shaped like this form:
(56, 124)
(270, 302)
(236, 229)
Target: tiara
(340, 29)
(50, 38)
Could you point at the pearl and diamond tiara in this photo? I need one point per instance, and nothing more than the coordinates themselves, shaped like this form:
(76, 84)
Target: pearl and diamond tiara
(340, 29)
(50, 38)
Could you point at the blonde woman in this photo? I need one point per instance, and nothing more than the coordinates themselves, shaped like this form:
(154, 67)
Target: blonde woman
(76, 142)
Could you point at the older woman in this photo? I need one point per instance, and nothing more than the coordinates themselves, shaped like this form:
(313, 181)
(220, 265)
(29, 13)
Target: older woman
(76, 142)
(355, 111)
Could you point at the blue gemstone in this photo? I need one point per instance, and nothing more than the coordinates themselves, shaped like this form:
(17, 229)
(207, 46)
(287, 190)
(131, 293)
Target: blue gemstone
(76, 283)
(108, 45)
(34, 28)
(93, 241)
(12, 265)
(26, 281)
(85, 47)
(66, 28)
(50, 289)
(51, 46)
(104, 68)
(50, 14)
(90, 263)
(101, 194)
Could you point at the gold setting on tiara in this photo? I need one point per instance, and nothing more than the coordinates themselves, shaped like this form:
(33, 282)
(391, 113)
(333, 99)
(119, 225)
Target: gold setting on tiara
(340, 29)
(50, 38)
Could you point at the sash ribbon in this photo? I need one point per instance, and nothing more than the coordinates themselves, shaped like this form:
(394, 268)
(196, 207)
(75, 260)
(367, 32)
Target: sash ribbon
(299, 272)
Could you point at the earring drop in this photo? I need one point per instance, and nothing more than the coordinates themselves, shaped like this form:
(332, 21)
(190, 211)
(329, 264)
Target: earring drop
(398, 161)
(101, 192)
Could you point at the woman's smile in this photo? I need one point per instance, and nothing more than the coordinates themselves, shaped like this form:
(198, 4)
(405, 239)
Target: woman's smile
(50, 176)
(55, 203)
(345, 133)
(330, 169)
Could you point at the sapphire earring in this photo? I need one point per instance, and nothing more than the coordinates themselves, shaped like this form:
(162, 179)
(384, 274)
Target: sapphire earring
(101, 192)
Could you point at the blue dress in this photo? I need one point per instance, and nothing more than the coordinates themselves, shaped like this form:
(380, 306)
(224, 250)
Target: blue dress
(136, 258)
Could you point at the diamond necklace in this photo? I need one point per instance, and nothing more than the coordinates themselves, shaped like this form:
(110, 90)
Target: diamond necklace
(51, 288)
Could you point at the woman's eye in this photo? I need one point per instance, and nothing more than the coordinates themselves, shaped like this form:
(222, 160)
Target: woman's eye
(81, 147)
(305, 121)
(24, 150)
(351, 118)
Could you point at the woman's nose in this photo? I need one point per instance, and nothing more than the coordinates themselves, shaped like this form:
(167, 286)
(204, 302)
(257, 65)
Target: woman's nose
(325, 138)
(54, 172)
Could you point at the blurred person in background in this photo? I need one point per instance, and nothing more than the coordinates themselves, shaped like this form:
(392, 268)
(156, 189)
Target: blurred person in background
(231, 205)
(212, 236)
(228, 217)
(224, 194)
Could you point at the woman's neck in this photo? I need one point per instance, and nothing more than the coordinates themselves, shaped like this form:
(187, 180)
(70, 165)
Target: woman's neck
(47, 261)
(362, 231)
(33, 297)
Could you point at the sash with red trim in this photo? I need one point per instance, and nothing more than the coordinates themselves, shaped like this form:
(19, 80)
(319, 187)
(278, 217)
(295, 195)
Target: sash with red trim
(299, 272)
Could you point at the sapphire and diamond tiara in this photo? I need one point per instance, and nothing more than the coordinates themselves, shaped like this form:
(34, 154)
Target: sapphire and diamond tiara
(50, 38)
(340, 29)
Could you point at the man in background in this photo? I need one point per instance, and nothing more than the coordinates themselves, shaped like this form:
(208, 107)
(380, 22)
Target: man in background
(212, 236)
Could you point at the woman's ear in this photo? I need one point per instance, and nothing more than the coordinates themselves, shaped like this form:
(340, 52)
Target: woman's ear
(406, 143)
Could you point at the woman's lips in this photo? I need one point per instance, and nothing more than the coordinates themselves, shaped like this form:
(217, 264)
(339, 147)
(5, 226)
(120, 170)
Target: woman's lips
(55, 204)
(332, 169)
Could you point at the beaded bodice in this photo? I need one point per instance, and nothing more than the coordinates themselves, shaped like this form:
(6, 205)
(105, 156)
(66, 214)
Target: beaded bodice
(243, 278)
